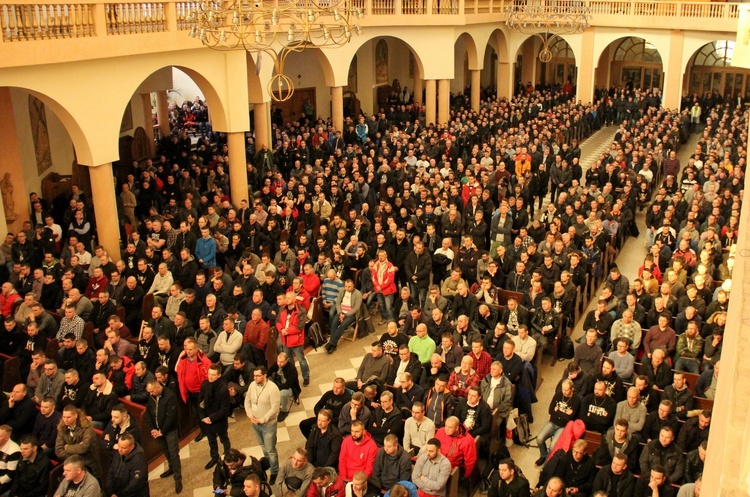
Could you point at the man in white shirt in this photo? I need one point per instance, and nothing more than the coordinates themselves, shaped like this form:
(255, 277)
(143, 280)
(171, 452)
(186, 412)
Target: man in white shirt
(525, 345)
(418, 429)
(160, 286)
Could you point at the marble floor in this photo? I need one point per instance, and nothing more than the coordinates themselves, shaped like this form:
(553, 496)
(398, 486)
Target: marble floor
(345, 361)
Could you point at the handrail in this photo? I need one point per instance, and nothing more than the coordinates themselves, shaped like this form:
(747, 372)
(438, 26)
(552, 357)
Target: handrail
(30, 20)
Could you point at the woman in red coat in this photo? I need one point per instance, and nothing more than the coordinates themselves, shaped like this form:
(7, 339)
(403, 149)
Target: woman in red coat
(291, 327)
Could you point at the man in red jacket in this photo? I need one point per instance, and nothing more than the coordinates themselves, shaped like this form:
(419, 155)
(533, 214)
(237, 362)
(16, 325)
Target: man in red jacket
(192, 370)
(458, 446)
(291, 327)
(326, 483)
(358, 452)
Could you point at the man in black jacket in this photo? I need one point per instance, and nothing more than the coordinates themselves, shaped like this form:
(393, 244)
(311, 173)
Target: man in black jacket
(574, 467)
(285, 375)
(128, 474)
(332, 400)
(32, 475)
(418, 267)
(615, 480)
(161, 421)
(18, 411)
(122, 424)
(385, 420)
(215, 411)
(324, 443)
(476, 416)
(230, 475)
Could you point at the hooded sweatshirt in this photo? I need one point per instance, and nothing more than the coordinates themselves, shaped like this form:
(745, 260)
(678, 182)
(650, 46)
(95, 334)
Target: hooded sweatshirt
(460, 449)
(357, 457)
(391, 469)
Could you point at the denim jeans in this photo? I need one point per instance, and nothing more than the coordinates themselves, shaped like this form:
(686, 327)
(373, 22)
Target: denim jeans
(338, 329)
(299, 353)
(386, 306)
(550, 430)
(689, 365)
(420, 293)
(287, 397)
(266, 435)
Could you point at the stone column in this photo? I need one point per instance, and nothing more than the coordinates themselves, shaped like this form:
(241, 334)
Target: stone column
(430, 101)
(505, 80)
(237, 167)
(673, 71)
(162, 112)
(12, 165)
(418, 89)
(728, 457)
(105, 209)
(586, 68)
(476, 87)
(444, 100)
(337, 107)
(529, 57)
(262, 126)
(148, 124)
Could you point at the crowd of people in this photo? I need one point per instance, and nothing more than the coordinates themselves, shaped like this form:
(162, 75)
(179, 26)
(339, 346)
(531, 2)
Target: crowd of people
(424, 225)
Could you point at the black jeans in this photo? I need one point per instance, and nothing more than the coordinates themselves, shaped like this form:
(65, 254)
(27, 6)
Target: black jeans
(169, 445)
(218, 429)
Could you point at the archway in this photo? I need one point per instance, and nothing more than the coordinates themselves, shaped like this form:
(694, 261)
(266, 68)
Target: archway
(39, 139)
(310, 71)
(710, 70)
(496, 70)
(558, 71)
(630, 61)
(465, 59)
(388, 71)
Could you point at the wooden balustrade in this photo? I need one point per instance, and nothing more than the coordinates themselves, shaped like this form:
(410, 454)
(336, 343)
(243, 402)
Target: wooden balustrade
(28, 21)
(133, 18)
(184, 11)
(46, 21)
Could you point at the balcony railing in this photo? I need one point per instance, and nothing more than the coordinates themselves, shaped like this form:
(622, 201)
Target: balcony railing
(26, 21)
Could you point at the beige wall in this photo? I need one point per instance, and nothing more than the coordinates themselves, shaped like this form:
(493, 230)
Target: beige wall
(61, 147)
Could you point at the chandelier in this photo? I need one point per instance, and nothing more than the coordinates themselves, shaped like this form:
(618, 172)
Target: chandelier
(547, 20)
(276, 28)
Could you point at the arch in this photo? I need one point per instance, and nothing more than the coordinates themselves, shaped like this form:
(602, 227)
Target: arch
(472, 53)
(400, 66)
(75, 131)
(710, 69)
(561, 68)
(630, 60)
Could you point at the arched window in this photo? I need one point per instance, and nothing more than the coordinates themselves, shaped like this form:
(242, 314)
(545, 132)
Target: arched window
(636, 50)
(716, 53)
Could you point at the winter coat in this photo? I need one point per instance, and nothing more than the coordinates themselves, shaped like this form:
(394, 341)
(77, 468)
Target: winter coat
(295, 336)
(128, 475)
(460, 449)
(603, 455)
(81, 441)
(572, 432)
(670, 457)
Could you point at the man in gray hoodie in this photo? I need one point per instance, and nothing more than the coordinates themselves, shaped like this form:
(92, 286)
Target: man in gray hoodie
(392, 464)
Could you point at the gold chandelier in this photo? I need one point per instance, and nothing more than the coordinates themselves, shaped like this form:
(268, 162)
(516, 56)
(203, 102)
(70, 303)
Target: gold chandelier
(276, 28)
(548, 19)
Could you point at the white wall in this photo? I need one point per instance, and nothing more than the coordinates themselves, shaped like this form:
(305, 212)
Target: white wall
(303, 68)
(183, 88)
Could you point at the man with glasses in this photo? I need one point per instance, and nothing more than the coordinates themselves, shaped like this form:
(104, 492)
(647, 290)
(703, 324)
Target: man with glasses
(262, 403)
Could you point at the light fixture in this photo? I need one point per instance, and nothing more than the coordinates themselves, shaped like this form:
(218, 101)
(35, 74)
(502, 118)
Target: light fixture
(547, 21)
(276, 28)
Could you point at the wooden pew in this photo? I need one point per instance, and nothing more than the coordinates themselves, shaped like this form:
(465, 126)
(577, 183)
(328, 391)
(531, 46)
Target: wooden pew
(11, 372)
(452, 484)
(137, 413)
(51, 350)
(594, 440)
(504, 295)
(55, 477)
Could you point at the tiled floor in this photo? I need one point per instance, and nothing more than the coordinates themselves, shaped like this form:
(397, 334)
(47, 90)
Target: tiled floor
(345, 361)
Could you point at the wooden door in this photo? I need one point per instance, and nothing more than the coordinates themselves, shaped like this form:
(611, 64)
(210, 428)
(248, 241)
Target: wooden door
(292, 109)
